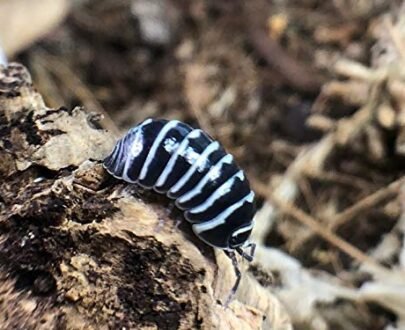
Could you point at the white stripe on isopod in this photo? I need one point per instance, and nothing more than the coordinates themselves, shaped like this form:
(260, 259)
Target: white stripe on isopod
(221, 218)
(158, 140)
(172, 161)
(221, 191)
(135, 149)
(212, 175)
(243, 230)
(199, 163)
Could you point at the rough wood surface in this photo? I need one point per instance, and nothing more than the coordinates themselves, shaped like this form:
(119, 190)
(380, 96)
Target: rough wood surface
(80, 250)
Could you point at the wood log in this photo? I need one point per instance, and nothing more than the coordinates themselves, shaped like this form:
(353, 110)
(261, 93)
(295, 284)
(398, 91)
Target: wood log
(81, 250)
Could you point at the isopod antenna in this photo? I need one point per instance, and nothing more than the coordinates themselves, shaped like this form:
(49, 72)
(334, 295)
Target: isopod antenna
(248, 257)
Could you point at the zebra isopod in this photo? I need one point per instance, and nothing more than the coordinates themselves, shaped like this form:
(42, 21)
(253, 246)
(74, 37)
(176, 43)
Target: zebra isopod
(196, 172)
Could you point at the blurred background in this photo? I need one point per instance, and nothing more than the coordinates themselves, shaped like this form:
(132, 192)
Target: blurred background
(308, 95)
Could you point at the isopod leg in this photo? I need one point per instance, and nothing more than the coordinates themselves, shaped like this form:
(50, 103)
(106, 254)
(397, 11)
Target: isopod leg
(171, 208)
(159, 226)
(238, 274)
(178, 223)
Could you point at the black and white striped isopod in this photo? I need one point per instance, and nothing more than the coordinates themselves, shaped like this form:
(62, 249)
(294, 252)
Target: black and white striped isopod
(190, 167)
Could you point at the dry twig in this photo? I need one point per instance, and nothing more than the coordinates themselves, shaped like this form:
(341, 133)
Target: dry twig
(366, 203)
(396, 37)
(291, 210)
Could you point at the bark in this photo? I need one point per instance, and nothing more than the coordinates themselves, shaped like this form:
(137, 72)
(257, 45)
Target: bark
(80, 250)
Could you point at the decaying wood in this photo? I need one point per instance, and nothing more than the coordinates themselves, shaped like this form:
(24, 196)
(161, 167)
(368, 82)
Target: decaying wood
(80, 250)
